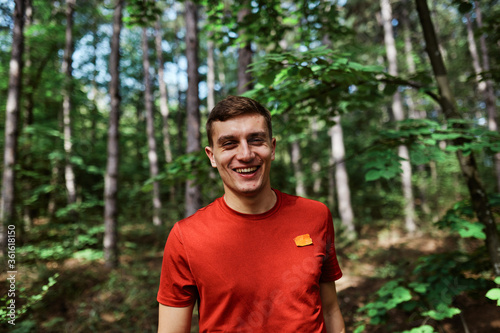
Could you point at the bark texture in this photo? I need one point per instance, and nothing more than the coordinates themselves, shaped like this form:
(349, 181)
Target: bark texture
(150, 130)
(11, 123)
(300, 188)
(398, 112)
(193, 197)
(487, 89)
(467, 163)
(163, 93)
(111, 178)
(342, 178)
(210, 76)
(69, 174)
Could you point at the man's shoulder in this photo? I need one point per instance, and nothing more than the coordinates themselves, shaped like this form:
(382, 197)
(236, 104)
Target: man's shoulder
(301, 202)
(200, 214)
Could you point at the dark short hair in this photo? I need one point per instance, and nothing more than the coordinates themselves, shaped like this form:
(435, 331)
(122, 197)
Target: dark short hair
(233, 106)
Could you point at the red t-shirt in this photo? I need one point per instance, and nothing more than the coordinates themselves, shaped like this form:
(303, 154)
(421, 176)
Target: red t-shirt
(248, 271)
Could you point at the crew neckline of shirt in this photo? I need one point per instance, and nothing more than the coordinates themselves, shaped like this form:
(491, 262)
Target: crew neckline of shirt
(225, 207)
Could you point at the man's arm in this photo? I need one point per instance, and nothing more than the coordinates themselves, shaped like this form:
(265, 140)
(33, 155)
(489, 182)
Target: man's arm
(174, 320)
(334, 321)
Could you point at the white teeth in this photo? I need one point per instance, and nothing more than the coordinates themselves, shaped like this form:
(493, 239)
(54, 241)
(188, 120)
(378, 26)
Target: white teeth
(246, 170)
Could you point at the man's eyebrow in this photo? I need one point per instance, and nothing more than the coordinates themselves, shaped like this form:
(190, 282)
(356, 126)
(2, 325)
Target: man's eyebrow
(224, 138)
(260, 133)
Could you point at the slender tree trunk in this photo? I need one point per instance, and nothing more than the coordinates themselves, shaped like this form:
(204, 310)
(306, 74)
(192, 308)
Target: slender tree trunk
(7, 210)
(468, 165)
(489, 92)
(413, 112)
(94, 111)
(150, 130)
(244, 55)
(410, 62)
(69, 173)
(111, 180)
(316, 165)
(342, 179)
(210, 76)
(300, 188)
(193, 197)
(397, 110)
(31, 83)
(163, 93)
(54, 179)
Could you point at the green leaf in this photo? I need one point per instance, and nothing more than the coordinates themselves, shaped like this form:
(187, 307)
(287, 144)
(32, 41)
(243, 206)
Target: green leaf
(420, 288)
(472, 230)
(443, 311)
(421, 329)
(372, 175)
(494, 294)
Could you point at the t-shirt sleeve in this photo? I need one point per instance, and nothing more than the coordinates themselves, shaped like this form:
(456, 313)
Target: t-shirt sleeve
(331, 269)
(177, 284)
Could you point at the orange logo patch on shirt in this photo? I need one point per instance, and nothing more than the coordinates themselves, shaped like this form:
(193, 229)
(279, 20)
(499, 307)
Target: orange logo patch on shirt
(303, 240)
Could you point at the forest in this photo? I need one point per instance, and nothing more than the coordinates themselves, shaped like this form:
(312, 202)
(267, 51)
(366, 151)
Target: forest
(385, 110)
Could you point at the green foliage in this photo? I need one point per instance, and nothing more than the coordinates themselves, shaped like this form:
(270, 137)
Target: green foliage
(422, 136)
(436, 279)
(430, 289)
(421, 329)
(30, 301)
(320, 82)
(63, 242)
(142, 13)
(382, 164)
(494, 293)
(389, 296)
(461, 219)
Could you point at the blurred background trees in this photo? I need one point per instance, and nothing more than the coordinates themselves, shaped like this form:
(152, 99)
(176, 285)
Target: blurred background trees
(106, 101)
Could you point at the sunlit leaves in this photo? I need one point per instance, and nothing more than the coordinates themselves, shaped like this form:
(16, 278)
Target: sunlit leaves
(494, 293)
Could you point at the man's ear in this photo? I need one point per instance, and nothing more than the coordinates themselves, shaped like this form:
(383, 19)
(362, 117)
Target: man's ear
(210, 154)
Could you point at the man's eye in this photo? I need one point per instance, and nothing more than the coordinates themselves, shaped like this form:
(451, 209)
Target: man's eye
(228, 143)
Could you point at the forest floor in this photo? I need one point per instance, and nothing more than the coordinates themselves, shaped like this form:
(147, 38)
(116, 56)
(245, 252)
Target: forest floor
(370, 265)
(90, 298)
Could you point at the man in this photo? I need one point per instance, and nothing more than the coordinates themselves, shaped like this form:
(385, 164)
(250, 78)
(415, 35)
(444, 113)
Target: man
(256, 259)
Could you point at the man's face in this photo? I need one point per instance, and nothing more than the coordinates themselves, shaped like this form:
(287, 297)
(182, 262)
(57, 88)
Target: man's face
(242, 153)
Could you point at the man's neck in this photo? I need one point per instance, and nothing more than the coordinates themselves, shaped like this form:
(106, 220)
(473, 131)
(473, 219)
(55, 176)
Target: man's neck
(251, 204)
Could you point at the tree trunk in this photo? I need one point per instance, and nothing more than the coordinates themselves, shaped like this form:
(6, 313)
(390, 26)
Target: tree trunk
(69, 174)
(300, 188)
(150, 130)
(30, 83)
(342, 179)
(11, 124)
(111, 179)
(210, 76)
(489, 92)
(163, 94)
(397, 110)
(193, 197)
(413, 112)
(244, 55)
(94, 111)
(468, 166)
(316, 165)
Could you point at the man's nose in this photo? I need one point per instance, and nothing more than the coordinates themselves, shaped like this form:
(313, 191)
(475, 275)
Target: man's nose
(245, 152)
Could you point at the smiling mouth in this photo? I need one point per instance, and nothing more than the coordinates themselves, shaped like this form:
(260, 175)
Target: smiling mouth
(246, 170)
